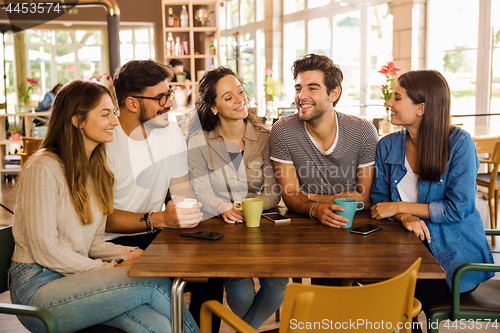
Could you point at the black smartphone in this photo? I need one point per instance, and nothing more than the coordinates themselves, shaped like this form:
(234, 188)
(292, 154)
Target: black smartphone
(203, 235)
(366, 229)
(276, 217)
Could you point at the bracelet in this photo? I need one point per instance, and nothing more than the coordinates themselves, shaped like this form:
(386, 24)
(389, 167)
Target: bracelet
(311, 210)
(149, 223)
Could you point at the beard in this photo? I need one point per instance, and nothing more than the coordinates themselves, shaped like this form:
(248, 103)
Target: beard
(152, 122)
(315, 115)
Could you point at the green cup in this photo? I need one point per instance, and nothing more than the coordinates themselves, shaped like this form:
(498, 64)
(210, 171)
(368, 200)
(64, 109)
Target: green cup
(350, 208)
(252, 210)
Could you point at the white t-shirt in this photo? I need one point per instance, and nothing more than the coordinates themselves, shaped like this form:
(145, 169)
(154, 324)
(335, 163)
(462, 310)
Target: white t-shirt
(143, 169)
(408, 186)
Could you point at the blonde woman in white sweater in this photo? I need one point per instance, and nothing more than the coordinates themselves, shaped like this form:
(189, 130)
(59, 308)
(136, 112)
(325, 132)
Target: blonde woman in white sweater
(60, 261)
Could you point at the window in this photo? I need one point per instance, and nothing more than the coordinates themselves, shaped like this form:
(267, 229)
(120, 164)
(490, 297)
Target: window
(59, 56)
(136, 44)
(10, 69)
(348, 32)
(457, 55)
(242, 44)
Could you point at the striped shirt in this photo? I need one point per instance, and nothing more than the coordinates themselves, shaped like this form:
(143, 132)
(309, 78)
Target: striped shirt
(325, 172)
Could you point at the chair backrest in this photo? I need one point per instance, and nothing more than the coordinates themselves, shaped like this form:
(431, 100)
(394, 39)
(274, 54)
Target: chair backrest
(485, 144)
(377, 307)
(6, 250)
(495, 158)
(31, 145)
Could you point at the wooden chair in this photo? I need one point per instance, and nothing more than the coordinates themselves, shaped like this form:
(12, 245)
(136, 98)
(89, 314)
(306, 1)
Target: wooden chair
(6, 250)
(30, 146)
(491, 180)
(483, 304)
(50, 323)
(390, 301)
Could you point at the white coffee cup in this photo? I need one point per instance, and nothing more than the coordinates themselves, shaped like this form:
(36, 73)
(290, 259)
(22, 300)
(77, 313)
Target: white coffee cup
(186, 203)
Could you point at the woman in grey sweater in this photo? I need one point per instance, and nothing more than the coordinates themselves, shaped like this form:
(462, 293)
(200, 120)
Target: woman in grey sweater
(60, 261)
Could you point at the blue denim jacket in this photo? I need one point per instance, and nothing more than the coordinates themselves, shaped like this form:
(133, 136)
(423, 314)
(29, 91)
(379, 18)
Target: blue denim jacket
(455, 225)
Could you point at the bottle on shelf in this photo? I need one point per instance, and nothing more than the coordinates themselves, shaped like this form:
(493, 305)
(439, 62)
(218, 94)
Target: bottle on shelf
(170, 21)
(184, 17)
(185, 46)
(177, 46)
(212, 46)
(170, 45)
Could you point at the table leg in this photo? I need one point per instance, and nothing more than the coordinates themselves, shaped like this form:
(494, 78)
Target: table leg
(177, 305)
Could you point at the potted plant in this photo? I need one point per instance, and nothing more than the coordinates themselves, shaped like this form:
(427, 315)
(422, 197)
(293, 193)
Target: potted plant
(15, 132)
(390, 71)
(272, 88)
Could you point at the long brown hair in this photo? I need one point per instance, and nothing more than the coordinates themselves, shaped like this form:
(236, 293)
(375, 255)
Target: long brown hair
(430, 87)
(65, 140)
(206, 100)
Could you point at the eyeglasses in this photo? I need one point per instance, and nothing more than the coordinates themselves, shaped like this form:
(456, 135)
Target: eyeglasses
(161, 100)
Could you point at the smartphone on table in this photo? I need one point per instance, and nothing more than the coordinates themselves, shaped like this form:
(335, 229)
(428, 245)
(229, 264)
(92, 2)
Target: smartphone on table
(202, 235)
(366, 229)
(276, 217)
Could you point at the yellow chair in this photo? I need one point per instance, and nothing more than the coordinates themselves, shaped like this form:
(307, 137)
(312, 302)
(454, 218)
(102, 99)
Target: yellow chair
(377, 307)
(30, 146)
(491, 180)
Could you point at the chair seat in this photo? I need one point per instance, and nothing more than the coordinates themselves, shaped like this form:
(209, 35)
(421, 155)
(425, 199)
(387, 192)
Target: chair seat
(482, 299)
(485, 178)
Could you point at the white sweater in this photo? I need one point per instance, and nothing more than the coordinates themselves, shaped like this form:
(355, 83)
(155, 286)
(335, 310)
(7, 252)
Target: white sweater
(47, 229)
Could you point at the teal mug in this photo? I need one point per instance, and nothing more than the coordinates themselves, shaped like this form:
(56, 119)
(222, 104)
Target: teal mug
(350, 208)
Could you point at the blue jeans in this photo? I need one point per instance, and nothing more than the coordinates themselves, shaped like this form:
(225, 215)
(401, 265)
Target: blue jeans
(104, 296)
(255, 308)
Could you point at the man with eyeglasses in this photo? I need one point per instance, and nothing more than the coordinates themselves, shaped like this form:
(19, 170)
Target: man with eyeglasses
(148, 156)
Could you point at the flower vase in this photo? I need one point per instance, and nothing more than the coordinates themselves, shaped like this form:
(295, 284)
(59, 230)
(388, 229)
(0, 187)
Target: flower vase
(23, 108)
(271, 110)
(386, 126)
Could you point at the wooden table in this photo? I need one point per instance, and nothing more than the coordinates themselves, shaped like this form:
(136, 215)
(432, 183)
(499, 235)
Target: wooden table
(301, 248)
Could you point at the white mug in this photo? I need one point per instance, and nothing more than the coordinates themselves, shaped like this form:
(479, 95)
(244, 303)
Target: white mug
(186, 203)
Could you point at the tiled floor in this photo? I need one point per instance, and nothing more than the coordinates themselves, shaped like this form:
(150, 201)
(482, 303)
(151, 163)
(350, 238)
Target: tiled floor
(9, 324)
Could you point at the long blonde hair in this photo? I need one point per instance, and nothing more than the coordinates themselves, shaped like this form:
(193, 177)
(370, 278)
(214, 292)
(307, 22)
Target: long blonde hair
(65, 140)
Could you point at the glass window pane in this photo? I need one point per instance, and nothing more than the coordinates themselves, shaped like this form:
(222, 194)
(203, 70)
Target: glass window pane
(464, 35)
(346, 32)
(63, 37)
(379, 51)
(317, 3)
(222, 16)
(294, 41)
(247, 11)
(233, 19)
(142, 51)
(125, 36)
(456, 55)
(320, 36)
(141, 36)
(495, 67)
(292, 6)
(126, 53)
(247, 59)
(230, 47)
(260, 10)
(260, 64)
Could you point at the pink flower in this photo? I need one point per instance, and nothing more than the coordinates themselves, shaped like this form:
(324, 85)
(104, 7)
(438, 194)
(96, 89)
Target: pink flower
(268, 72)
(33, 82)
(389, 70)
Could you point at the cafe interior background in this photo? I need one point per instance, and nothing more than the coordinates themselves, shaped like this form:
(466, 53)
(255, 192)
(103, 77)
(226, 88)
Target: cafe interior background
(460, 38)
(259, 40)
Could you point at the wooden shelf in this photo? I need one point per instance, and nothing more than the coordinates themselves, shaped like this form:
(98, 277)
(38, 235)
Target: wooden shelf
(198, 38)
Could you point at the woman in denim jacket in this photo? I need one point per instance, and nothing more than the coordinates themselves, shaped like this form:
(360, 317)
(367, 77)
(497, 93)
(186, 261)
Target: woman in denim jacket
(60, 260)
(426, 179)
(228, 147)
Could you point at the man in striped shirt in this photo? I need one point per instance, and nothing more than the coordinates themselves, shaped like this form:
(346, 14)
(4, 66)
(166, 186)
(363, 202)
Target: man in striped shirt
(320, 154)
